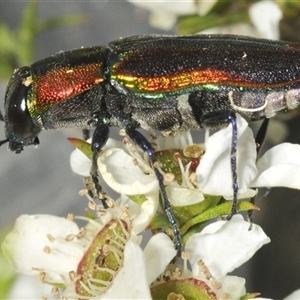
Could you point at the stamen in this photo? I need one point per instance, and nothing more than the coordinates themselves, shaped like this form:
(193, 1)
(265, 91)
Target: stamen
(92, 205)
(168, 178)
(70, 237)
(47, 250)
(177, 273)
(72, 275)
(153, 135)
(42, 276)
(192, 177)
(54, 291)
(205, 271)
(71, 217)
(83, 192)
(103, 282)
(50, 237)
(166, 276)
(185, 257)
(81, 233)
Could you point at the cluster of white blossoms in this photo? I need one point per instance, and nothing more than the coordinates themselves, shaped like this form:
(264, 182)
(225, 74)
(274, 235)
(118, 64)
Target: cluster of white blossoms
(110, 258)
(105, 259)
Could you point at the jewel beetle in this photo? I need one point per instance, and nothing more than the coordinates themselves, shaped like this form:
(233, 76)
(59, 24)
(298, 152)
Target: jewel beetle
(154, 82)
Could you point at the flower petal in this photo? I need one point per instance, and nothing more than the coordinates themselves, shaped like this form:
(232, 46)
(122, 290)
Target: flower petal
(158, 253)
(294, 295)
(147, 211)
(81, 164)
(131, 281)
(276, 166)
(214, 171)
(233, 286)
(24, 245)
(163, 15)
(225, 245)
(122, 175)
(181, 196)
(179, 141)
(265, 16)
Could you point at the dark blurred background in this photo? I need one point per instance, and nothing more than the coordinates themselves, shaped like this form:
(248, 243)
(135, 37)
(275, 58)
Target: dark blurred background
(41, 181)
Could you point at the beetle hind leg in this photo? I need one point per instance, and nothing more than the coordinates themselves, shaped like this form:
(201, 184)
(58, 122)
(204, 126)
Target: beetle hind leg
(223, 118)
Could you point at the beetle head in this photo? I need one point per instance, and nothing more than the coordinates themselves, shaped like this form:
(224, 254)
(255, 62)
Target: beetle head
(20, 130)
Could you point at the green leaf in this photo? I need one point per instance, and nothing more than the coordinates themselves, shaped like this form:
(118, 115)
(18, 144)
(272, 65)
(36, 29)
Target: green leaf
(66, 20)
(27, 33)
(195, 23)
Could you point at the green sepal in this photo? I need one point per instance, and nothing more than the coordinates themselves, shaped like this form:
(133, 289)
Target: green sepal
(138, 199)
(249, 296)
(215, 212)
(83, 146)
(184, 213)
(160, 220)
(192, 230)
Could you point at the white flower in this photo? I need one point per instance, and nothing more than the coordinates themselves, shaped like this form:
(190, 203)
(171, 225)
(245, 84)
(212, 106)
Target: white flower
(164, 13)
(63, 255)
(276, 166)
(264, 16)
(129, 173)
(214, 171)
(224, 246)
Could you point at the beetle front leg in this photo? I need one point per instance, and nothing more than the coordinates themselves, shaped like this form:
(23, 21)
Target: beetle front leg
(99, 139)
(145, 145)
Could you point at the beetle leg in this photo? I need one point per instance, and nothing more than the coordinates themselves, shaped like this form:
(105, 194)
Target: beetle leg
(235, 186)
(99, 139)
(229, 117)
(145, 145)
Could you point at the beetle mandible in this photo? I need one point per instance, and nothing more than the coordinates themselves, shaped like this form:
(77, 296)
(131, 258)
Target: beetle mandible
(154, 82)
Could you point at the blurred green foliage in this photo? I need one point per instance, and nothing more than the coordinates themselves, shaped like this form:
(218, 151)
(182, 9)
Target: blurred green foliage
(17, 46)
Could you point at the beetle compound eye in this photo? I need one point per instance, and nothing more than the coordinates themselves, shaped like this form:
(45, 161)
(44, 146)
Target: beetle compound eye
(19, 121)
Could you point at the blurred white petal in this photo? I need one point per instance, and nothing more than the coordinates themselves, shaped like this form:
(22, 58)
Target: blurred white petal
(279, 166)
